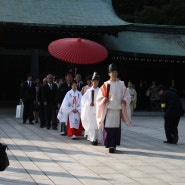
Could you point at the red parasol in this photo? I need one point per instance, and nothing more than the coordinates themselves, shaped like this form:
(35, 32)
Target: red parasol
(77, 51)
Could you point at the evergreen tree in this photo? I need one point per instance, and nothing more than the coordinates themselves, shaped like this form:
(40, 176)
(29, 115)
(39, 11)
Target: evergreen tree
(166, 12)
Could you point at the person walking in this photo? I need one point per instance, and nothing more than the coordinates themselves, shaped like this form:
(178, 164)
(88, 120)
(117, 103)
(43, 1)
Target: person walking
(88, 112)
(88, 85)
(172, 106)
(133, 95)
(42, 113)
(49, 96)
(70, 110)
(113, 105)
(36, 106)
(80, 84)
(27, 97)
(62, 90)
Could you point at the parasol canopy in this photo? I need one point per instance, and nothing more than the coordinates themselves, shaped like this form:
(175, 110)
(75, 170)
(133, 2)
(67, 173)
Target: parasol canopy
(77, 51)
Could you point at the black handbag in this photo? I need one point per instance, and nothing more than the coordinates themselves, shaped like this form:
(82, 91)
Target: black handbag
(4, 161)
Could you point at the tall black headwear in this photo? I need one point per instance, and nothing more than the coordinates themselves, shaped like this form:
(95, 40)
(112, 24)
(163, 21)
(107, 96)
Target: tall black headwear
(112, 67)
(96, 76)
(89, 77)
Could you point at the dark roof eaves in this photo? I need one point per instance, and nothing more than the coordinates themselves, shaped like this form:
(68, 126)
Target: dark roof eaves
(59, 25)
(40, 28)
(145, 56)
(156, 28)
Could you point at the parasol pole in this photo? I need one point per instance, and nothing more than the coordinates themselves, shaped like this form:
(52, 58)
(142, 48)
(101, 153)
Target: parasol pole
(108, 89)
(75, 71)
(92, 98)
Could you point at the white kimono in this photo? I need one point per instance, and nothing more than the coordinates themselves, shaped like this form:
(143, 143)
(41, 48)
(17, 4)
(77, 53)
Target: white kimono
(114, 109)
(71, 101)
(88, 116)
(133, 102)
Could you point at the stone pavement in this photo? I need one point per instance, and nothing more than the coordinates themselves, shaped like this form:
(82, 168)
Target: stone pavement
(43, 157)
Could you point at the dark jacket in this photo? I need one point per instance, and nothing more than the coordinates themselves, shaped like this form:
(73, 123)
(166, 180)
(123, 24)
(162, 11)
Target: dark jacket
(80, 86)
(48, 95)
(62, 90)
(28, 93)
(173, 105)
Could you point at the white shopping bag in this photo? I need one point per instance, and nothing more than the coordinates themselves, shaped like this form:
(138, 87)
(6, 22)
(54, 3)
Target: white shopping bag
(19, 111)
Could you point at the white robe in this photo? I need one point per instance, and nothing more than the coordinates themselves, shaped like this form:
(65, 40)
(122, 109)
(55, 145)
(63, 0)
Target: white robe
(114, 109)
(88, 115)
(71, 101)
(133, 102)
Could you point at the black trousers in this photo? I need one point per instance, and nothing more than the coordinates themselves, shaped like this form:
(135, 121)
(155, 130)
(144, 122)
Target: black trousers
(171, 127)
(28, 110)
(111, 136)
(51, 117)
(42, 116)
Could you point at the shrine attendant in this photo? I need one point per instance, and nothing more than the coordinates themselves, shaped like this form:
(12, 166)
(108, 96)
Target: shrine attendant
(70, 112)
(88, 112)
(113, 106)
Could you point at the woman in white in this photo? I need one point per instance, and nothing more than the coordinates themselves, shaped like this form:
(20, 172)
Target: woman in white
(70, 112)
(88, 112)
(133, 95)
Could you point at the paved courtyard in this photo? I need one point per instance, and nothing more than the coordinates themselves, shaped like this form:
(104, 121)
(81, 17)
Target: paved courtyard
(44, 157)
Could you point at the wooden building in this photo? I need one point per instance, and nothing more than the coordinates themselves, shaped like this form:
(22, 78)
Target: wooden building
(150, 52)
(27, 28)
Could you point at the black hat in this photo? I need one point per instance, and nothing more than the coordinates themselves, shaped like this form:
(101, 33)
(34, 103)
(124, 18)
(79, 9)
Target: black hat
(89, 77)
(96, 76)
(112, 67)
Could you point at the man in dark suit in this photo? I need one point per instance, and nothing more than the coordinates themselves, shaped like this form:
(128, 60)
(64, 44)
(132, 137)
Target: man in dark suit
(50, 91)
(79, 82)
(27, 97)
(65, 87)
(172, 106)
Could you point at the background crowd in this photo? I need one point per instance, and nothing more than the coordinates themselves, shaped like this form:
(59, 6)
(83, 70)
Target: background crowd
(47, 100)
(144, 95)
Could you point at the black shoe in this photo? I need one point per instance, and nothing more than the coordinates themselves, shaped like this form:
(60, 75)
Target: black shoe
(54, 128)
(48, 126)
(95, 143)
(168, 142)
(31, 123)
(24, 122)
(36, 121)
(42, 126)
(111, 150)
(175, 140)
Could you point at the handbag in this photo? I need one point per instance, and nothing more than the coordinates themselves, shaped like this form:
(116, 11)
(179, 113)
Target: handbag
(147, 93)
(4, 161)
(19, 111)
